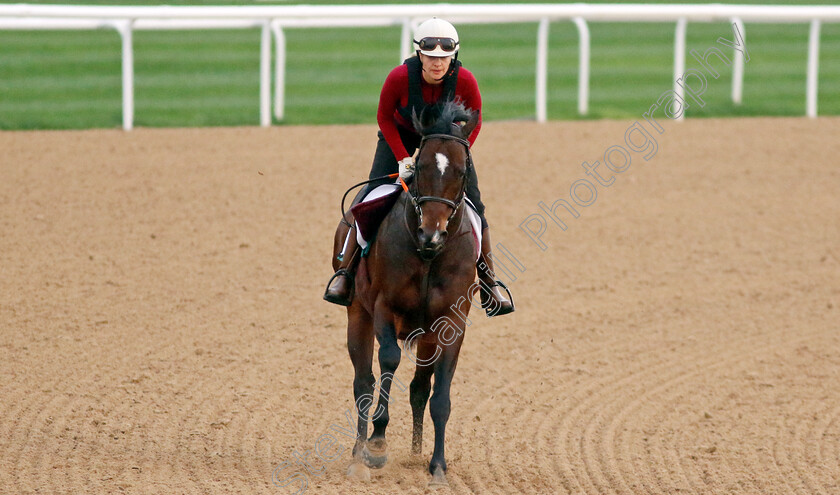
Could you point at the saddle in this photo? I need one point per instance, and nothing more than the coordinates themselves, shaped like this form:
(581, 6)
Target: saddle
(376, 205)
(370, 212)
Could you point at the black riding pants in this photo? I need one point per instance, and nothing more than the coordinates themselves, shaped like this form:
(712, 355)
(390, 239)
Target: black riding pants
(384, 163)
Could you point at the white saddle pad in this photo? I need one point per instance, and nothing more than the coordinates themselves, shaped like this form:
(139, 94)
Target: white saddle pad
(386, 189)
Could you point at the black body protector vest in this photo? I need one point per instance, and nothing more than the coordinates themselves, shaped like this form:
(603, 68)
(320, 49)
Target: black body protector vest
(416, 103)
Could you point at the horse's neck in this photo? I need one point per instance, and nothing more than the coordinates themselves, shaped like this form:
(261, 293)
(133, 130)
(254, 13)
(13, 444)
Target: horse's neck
(404, 216)
(394, 265)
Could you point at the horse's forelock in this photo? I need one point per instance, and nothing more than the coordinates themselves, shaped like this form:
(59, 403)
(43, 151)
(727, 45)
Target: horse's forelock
(442, 120)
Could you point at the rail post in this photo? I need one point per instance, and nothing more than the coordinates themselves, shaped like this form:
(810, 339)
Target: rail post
(813, 69)
(280, 68)
(583, 65)
(738, 67)
(542, 69)
(265, 74)
(679, 61)
(124, 27)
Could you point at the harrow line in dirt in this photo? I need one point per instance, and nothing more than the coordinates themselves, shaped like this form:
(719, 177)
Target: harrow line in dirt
(64, 448)
(186, 239)
(29, 414)
(830, 430)
(735, 354)
(782, 462)
(525, 440)
(567, 480)
(808, 460)
(42, 468)
(739, 363)
(486, 464)
(197, 421)
(14, 406)
(597, 392)
(789, 450)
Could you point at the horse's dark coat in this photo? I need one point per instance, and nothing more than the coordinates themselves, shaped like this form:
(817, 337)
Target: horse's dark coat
(421, 263)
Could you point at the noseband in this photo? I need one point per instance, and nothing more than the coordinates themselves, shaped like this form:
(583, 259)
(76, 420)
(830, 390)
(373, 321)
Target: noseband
(414, 192)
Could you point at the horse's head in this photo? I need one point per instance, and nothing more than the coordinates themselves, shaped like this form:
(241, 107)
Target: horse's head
(441, 174)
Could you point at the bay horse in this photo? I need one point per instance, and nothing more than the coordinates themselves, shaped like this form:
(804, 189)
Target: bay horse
(421, 262)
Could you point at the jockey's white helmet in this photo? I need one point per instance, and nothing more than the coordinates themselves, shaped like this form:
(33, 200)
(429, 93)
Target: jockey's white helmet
(436, 38)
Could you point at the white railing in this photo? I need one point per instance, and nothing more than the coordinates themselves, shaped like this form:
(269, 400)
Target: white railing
(272, 20)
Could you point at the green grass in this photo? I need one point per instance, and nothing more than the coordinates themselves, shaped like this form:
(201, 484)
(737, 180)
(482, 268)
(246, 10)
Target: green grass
(71, 79)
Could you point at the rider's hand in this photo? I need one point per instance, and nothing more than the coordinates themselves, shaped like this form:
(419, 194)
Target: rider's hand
(406, 167)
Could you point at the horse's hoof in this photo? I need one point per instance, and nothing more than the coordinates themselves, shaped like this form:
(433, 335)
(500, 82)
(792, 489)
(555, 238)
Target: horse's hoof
(358, 471)
(438, 479)
(375, 458)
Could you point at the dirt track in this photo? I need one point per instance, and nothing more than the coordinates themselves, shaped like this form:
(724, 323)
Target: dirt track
(162, 329)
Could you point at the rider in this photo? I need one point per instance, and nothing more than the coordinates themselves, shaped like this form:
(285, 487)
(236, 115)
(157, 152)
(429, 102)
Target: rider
(432, 76)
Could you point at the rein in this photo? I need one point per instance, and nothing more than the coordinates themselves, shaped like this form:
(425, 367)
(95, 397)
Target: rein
(344, 198)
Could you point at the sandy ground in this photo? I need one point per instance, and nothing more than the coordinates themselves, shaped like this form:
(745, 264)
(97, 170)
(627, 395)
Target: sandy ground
(162, 328)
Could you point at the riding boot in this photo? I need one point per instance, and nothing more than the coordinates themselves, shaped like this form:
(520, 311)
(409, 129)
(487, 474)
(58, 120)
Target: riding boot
(500, 304)
(340, 287)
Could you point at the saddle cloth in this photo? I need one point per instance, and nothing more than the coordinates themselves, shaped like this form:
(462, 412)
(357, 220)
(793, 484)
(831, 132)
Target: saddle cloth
(370, 212)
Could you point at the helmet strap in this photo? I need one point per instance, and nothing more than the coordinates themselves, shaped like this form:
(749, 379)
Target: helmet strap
(454, 59)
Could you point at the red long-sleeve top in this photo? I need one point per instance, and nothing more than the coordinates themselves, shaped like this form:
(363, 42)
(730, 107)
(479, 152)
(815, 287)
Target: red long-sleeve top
(394, 95)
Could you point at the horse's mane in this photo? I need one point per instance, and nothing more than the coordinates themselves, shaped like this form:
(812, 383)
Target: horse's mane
(442, 119)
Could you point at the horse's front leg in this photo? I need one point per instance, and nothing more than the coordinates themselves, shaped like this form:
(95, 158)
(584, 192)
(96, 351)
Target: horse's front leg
(389, 359)
(421, 387)
(360, 346)
(439, 408)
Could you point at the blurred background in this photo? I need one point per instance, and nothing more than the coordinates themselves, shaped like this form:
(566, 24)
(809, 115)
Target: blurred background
(72, 79)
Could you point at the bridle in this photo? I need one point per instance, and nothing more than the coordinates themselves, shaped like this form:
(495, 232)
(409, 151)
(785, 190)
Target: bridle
(414, 190)
(413, 193)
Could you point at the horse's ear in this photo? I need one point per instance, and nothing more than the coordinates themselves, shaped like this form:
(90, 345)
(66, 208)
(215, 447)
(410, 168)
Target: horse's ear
(423, 121)
(467, 129)
(418, 121)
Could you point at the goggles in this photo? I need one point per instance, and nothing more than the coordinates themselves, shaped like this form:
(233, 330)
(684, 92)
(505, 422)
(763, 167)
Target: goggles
(446, 44)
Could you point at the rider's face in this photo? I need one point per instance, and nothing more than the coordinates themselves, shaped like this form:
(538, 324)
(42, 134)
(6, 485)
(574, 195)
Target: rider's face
(434, 68)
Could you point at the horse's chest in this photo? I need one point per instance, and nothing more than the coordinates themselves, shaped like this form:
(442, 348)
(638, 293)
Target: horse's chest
(430, 292)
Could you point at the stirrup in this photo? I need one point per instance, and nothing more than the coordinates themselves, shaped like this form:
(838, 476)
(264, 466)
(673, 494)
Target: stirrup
(499, 312)
(510, 296)
(341, 301)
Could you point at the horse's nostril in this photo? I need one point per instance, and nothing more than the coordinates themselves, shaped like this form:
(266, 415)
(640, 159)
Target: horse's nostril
(422, 237)
(443, 234)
